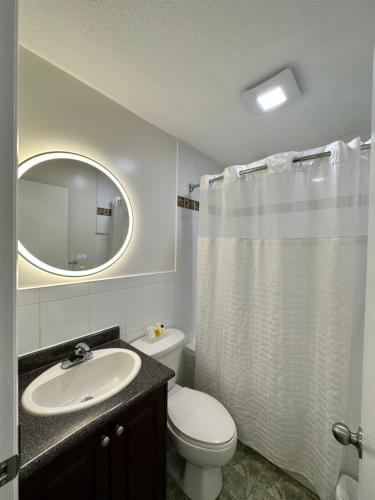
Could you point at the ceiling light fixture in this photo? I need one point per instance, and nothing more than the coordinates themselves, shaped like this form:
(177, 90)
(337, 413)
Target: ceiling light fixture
(269, 95)
(272, 98)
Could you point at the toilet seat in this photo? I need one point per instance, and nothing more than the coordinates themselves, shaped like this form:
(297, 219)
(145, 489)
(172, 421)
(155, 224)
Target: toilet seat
(199, 444)
(200, 419)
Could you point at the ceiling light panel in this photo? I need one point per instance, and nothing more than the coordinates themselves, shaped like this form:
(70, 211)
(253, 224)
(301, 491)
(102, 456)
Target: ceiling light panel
(271, 99)
(273, 93)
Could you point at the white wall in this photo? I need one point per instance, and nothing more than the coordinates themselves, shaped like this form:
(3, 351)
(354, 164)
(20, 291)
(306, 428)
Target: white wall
(53, 314)
(58, 112)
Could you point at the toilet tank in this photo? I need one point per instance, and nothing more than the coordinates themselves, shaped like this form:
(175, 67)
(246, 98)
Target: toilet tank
(166, 349)
(188, 365)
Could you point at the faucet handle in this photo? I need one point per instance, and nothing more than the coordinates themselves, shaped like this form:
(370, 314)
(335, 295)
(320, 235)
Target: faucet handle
(81, 349)
(82, 352)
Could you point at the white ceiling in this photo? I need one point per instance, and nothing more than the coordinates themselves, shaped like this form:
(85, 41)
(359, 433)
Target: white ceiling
(182, 64)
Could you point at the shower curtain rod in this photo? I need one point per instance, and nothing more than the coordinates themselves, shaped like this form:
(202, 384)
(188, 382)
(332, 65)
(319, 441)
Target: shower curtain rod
(324, 154)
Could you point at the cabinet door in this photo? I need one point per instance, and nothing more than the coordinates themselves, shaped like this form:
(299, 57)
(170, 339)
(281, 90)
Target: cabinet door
(81, 473)
(138, 454)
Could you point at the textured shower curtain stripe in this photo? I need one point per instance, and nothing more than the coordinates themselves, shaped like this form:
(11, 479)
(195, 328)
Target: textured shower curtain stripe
(302, 206)
(281, 273)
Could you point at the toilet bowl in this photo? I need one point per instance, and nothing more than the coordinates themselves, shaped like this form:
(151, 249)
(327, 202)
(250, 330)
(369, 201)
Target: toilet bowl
(346, 488)
(202, 435)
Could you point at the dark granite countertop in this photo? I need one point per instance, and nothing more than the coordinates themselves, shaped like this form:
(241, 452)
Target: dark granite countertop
(44, 438)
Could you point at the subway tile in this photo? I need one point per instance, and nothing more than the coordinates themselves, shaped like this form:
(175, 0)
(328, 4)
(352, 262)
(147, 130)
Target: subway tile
(192, 166)
(64, 319)
(64, 292)
(188, 228)
(110, 285)
(106, 310)
(194, 226)
(136, 281)
(194, 293)
(139, 308)
(164, 301)
(186, 323)
(194, 260)
(27, 297)
(164, 277)
(183, 179)
(184, 296)
(185, 228)
(28, 328)
(184, 260)
(134, 335)
(169, 322)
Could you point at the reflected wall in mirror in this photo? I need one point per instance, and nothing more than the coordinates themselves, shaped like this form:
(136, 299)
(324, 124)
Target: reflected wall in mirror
(74, 216)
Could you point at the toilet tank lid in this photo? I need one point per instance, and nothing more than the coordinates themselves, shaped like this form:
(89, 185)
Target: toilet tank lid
(171, 339)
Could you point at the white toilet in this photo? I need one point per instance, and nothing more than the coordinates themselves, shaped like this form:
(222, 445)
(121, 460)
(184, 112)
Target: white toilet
(346, 488)
(202, 434)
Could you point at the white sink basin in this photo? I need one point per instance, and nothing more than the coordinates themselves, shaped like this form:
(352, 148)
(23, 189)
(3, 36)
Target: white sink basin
(57, 391)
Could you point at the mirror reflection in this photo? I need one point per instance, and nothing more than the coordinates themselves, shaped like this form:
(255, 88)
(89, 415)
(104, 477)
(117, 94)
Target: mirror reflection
(72, 216)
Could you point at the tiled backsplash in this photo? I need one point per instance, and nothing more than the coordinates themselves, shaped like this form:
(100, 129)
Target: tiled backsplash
(54, 314)
(184, 202)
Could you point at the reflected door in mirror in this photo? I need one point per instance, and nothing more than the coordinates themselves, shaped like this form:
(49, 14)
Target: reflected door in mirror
(74, 216)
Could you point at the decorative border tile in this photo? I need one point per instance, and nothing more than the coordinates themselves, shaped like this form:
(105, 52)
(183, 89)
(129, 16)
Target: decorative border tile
(184, 202)
(104, 211)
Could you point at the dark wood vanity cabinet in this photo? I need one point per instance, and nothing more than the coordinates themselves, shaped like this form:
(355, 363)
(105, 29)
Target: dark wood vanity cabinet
(137, 459)
(130, 465)
(79, 473)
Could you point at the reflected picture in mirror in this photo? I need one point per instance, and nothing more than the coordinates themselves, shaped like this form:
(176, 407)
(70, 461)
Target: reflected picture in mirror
(74, 216)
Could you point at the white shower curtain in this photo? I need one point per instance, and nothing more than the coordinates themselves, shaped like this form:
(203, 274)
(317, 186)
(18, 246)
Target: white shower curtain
(281, 281)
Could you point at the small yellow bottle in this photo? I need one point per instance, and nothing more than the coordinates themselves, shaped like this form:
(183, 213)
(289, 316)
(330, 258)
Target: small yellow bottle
(158, 329)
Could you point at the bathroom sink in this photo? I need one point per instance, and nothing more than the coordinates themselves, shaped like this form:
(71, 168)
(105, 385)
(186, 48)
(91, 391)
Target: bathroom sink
(57, 391)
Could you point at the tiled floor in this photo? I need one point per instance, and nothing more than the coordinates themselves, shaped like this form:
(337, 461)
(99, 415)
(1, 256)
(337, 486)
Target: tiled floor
(249, 476)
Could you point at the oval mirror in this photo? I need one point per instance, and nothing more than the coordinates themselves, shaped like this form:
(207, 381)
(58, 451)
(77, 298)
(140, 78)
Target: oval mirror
(74, 216)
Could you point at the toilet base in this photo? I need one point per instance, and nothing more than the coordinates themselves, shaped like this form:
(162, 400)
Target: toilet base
(198, 483)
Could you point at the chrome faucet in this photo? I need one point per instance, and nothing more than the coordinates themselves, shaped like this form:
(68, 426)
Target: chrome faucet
(81, 354)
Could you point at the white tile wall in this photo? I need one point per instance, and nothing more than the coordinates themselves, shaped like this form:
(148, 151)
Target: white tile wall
(28, 328)
(54, 314)
(61, 319)
(50, 293)
(139, 308)
(28, 297)
(107, 309)
(164, 301)
(184, 295)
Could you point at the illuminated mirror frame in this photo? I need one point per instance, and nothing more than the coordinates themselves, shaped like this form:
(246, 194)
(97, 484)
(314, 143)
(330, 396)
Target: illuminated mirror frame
(59, 155)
